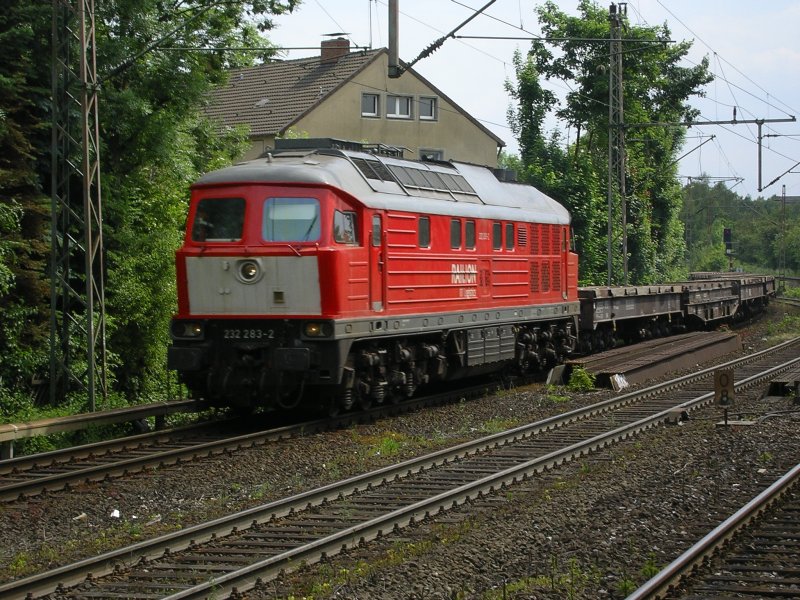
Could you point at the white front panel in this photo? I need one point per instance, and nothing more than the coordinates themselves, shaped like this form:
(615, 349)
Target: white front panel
(289, 285)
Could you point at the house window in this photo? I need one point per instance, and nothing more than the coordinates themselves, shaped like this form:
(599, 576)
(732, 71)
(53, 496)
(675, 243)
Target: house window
(427, 109)
(424, 232)
(455, 234)
(398, 107)
(428, 154)
(370, 105)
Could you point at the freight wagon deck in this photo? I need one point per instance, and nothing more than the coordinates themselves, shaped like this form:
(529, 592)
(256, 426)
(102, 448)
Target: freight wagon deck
(654, 358)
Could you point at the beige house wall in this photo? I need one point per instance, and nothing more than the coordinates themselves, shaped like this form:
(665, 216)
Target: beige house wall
(339, 116)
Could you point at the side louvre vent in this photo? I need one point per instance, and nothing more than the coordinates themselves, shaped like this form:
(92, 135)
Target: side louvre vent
(545, 276)
(522, 236)
(535, 277)
(556, 276)
(545, 239)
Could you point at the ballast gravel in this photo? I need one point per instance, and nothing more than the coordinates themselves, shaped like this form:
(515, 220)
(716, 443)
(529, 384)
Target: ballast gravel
(594, 528)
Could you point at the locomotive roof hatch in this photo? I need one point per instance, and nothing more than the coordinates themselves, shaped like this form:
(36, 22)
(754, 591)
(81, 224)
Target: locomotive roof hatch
(390, 183)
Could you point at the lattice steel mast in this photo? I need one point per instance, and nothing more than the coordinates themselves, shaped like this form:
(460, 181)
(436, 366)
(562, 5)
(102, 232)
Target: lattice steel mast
(77, 302)
(616, 141)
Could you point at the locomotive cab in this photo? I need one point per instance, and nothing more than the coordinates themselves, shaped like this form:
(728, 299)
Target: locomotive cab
(251, 303)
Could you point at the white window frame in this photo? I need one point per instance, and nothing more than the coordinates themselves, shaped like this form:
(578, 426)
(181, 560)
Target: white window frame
(393, 106)
(433, 153)
(376, 103)
(434, 104)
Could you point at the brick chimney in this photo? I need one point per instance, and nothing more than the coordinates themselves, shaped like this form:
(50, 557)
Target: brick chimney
(333, 49)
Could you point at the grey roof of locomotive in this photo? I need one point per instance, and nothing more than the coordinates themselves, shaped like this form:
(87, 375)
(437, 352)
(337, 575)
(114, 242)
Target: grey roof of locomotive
(484, 196)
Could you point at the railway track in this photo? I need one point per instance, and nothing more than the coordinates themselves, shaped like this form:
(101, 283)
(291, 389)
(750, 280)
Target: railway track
(29, 476)
(51, 471)
(789, 301)
(238, 552)
(656, 357)
(58, 470)
(752, 554)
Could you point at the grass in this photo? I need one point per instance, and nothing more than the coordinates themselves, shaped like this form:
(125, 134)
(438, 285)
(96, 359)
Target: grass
(788, 327)
(496, 425)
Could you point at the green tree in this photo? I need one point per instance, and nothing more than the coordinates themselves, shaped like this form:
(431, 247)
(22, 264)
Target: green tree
(24, 208)
(154, 143)
(656, 89)
(760, 229)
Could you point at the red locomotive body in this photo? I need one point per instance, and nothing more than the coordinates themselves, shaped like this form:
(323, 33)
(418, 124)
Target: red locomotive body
(345, 277)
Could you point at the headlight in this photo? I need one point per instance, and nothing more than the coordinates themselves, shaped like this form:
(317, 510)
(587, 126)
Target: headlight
(187, 330)
(249, 271)
(313, 329)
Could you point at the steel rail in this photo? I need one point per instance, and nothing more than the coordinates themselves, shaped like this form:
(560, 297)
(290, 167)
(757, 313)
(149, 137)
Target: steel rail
(247, 577)
(669, 577)
(104, 564)
(64, 456)
(12, 491)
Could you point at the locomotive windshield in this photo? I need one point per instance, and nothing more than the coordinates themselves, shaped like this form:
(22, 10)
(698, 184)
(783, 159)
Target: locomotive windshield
(218, 220)
(291, 220)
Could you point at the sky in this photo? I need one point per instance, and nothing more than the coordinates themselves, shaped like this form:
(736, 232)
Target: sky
(752, 45)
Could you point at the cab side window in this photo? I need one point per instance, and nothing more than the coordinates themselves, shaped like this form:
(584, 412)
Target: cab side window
(469, 235)
(497, 236)
(344, 227)
(376, 230)
(455, 234)
(424, 232)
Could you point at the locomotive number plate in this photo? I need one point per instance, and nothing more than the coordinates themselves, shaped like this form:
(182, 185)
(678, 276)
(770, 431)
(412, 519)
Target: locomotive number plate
(242, 333)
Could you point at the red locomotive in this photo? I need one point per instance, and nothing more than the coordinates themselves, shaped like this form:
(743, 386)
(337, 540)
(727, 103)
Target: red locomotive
(350, 277)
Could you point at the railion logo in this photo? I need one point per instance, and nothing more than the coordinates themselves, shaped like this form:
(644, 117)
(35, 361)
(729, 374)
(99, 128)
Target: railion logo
(463, 274)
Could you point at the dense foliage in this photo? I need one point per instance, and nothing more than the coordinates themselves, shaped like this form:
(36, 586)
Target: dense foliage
(764, 231)
(155, 141)
(656, 90)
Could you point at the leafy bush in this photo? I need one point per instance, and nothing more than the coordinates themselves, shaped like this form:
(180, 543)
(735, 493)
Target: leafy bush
(581, 380)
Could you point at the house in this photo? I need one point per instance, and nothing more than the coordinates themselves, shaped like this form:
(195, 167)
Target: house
(349, 95)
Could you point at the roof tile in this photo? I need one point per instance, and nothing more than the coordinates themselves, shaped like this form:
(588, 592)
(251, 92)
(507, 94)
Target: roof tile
(271, 96)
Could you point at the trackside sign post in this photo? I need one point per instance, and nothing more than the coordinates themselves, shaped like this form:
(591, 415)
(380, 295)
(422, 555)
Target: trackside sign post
(723, 389)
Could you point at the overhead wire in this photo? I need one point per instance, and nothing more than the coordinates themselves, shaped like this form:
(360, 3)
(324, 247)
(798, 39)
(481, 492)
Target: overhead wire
(566, 88)
(731, 85)
(689, 29)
